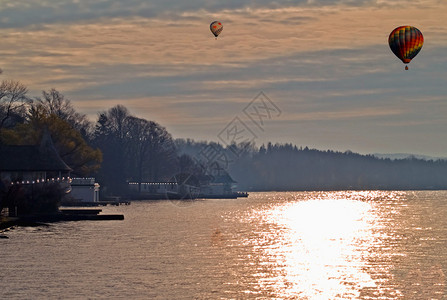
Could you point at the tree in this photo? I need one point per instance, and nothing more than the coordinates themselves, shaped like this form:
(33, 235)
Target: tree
(109, 136)
(117, 118)
(162, 153)
(55, 103)
(138, 147)
(134, 149)
(188, 165)
(13, 103)
(150, 151)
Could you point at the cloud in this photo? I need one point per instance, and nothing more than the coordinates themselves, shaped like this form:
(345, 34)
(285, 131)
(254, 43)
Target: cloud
(325, 63)
(24, 13)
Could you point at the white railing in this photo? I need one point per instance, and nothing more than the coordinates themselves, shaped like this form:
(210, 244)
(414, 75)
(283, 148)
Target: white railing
(83, 181)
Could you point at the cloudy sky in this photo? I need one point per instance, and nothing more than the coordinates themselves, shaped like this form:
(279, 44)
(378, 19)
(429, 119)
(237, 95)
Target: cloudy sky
(324, 66)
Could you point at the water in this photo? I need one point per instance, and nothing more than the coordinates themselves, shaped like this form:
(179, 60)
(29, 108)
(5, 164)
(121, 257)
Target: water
(297, 245)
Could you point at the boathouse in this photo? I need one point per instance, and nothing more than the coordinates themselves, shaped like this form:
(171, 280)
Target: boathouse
(28, 164)
(218, 184)
(25, 168)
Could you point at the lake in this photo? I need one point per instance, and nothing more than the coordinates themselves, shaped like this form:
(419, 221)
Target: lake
(273, 245)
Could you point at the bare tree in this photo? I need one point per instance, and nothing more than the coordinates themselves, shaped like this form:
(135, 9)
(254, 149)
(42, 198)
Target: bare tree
(13, 101)
(118, 117)
(133, 149)
(137, 151)
(151, 151)
(53, 102)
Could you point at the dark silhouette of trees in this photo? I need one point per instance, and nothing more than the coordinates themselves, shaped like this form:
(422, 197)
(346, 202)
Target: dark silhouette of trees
(109, 136)
(23, 122)
(55, 103)
(152, 154)
(287, 167)
(134, 149)
(13, 103)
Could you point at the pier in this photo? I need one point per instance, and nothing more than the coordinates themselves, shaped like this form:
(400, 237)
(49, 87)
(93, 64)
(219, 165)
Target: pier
(61, 216)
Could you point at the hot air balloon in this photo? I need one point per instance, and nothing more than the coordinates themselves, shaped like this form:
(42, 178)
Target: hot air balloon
(406, 42)
(216, 28)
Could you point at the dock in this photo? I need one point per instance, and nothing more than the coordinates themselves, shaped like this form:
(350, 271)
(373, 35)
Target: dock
(61, 216)
(94, 204)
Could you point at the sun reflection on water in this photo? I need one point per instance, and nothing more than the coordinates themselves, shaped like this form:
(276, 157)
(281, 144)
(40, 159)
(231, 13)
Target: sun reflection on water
(322, 249)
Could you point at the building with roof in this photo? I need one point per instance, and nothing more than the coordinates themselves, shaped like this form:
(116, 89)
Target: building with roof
(32, 163)
(84, 190)
(218, 184)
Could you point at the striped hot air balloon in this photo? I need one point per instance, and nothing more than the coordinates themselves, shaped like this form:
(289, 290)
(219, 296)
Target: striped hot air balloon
(406, 42)
(216, 28)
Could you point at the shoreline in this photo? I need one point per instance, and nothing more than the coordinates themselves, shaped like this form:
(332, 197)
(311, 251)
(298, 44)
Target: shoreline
(43, 219)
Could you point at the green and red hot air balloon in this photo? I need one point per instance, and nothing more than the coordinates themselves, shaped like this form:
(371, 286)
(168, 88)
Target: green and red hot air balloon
(406, 42)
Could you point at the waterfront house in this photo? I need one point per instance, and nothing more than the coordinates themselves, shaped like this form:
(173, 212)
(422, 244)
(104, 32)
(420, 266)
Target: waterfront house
(27, 164)
(84, 190)
(153, 190)
(27, 167)
(218, 184)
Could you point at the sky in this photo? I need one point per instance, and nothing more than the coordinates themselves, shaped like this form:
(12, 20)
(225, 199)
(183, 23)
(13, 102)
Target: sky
(316, 73)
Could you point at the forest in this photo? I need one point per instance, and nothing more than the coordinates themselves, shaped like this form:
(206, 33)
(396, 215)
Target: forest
(286, 167)
(119, 147)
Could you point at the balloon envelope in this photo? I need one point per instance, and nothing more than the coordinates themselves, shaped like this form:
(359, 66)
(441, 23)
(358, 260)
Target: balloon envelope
(216, 28)
(406, 42)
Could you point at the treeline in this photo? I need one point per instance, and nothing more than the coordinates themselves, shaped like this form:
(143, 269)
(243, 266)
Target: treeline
(115, 149)
(133, 149)
(288, 167)
(119, 147)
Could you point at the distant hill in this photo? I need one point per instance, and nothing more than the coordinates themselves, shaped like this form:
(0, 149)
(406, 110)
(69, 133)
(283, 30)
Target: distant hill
(406, 155)
(287, 167)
